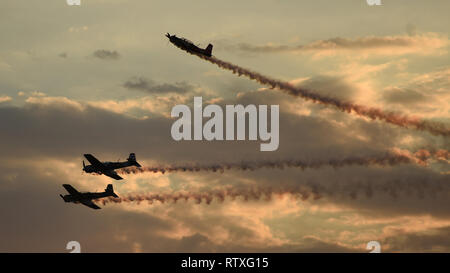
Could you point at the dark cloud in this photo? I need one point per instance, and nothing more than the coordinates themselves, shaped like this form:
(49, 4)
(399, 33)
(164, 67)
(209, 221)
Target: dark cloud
(200, 243)
(333, 43)
(432, 240)
(404, 96)
(315, 245)
(151, 87)
(106, 54)
(411, 42)
(328, 86)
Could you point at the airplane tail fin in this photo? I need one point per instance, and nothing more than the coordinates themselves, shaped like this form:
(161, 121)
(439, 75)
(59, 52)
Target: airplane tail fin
(132, 160)
(208, 49)
(109, 189)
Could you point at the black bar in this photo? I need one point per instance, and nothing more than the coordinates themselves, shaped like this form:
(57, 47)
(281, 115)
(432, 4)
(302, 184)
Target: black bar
(227, 262)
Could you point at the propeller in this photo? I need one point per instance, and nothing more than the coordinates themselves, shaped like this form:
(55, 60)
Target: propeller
(168, 36)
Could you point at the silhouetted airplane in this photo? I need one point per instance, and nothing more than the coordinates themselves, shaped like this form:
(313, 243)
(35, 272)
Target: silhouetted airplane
(187, 45)
(86, 198)
(107, 168)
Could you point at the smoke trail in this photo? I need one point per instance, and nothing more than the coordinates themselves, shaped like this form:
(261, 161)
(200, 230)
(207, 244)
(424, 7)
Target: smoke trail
(424, 155)
(208, 196)
(308, 191)
(390, 159)
(434, 128)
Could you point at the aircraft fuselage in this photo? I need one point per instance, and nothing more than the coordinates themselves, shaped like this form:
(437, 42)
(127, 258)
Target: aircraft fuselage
(85, 196)
(108, 166)
(189, 46)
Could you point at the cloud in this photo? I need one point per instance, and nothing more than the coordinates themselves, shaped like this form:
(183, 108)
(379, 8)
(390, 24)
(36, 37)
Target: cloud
(373, 113)
(60, 127)
(38, 94)
(429, 93)
(106, 54)
(144, 106)
(78, 29)
(41, 101)
(404, 96)
(432, 240)
(5, 98)
(330, 86)
(43, 142)
(149, 86)
(423, 44)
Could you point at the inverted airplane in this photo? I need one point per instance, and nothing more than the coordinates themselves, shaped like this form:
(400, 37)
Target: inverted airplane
(86, 198)
(189, 46)
(107, 168)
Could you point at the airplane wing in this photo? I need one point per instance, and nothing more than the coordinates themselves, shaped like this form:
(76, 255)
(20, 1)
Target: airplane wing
(112, 174)
(71, 189)
(94, 161)
(90, 204)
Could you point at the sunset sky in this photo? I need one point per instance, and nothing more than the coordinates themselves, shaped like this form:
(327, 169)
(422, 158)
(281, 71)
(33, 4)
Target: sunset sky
(102, 78)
